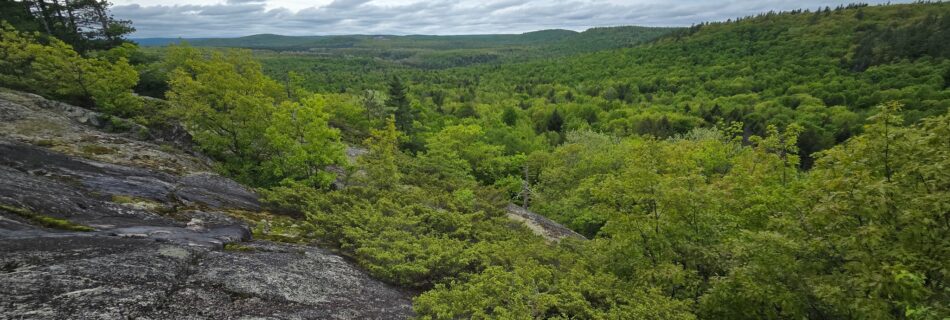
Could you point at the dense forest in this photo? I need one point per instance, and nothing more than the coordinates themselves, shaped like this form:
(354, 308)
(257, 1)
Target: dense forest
(777, 166)
(439, 52)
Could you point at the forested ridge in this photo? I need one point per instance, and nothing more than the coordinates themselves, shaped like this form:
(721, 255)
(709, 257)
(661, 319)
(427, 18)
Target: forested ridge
(785, 165)
(438, 52)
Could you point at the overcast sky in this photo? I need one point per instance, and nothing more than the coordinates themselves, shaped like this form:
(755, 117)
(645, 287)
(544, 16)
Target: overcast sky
(230, 18)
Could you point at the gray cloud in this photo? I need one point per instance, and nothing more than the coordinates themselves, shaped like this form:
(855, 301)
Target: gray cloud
(346, 4)
(246, 17)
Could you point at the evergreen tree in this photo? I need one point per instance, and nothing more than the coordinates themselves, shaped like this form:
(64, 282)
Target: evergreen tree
(509, 116)
(83, 24)
(399, 103)
(555, 122)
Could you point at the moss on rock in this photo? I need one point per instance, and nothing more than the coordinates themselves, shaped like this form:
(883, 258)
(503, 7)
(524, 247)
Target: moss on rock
(46, 221)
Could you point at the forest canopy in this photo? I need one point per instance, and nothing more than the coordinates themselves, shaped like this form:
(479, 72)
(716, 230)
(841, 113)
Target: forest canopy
(784, 165)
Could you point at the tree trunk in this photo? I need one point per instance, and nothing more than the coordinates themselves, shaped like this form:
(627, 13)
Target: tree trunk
(525, 189)
(100, 10)
(44, 15)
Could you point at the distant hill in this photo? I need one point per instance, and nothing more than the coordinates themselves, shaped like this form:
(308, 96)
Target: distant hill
(294, 43)
(154, 42)
(548, 35)
(268, 41)
(558, 39)
(437, 52)
(603, 38)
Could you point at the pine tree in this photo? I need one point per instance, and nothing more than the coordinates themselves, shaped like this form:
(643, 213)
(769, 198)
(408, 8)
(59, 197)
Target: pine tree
(555, 122)
(83, 24)
(399, 103)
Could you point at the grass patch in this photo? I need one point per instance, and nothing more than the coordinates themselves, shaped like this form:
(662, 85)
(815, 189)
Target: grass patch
(46, 143)
(124, 199)
(46, 221)
(238, 247)
(167, 148)
(277, 228)
(92, 149)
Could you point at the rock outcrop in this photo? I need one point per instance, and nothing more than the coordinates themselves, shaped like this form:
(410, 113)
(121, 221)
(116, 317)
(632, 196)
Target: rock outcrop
(97, 225)
(541, 225)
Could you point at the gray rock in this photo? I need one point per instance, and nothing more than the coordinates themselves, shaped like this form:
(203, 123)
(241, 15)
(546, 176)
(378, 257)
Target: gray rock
(113, 278)
(212, 190)
(161, 229)
(64, 185)
(67, 129)
(75, 189)
(541, 225)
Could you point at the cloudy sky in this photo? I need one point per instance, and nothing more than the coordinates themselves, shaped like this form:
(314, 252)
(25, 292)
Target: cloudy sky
(230, 18)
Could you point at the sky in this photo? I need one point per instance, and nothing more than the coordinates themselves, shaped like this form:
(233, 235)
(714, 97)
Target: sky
(232, 18)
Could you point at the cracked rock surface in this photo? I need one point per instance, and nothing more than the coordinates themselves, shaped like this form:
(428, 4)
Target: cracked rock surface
(160, 225)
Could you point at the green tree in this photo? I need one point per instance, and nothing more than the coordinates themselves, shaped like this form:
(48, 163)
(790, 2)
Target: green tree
(16, 57)
(380, 164)
(303, 143)
(878, 206)
(468, 144)
(509, 116)
(399, 103)
(227, 103)
(554, 122)
(63, 73)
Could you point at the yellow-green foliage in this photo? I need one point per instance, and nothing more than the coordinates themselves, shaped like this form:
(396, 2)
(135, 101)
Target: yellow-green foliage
(460, 246)
(15, 58)
(380, 163)
(695, 226)
(303, 142)
(738, 230)
(56, 69)
(45, 221)
(237, 247)
(248, 122)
